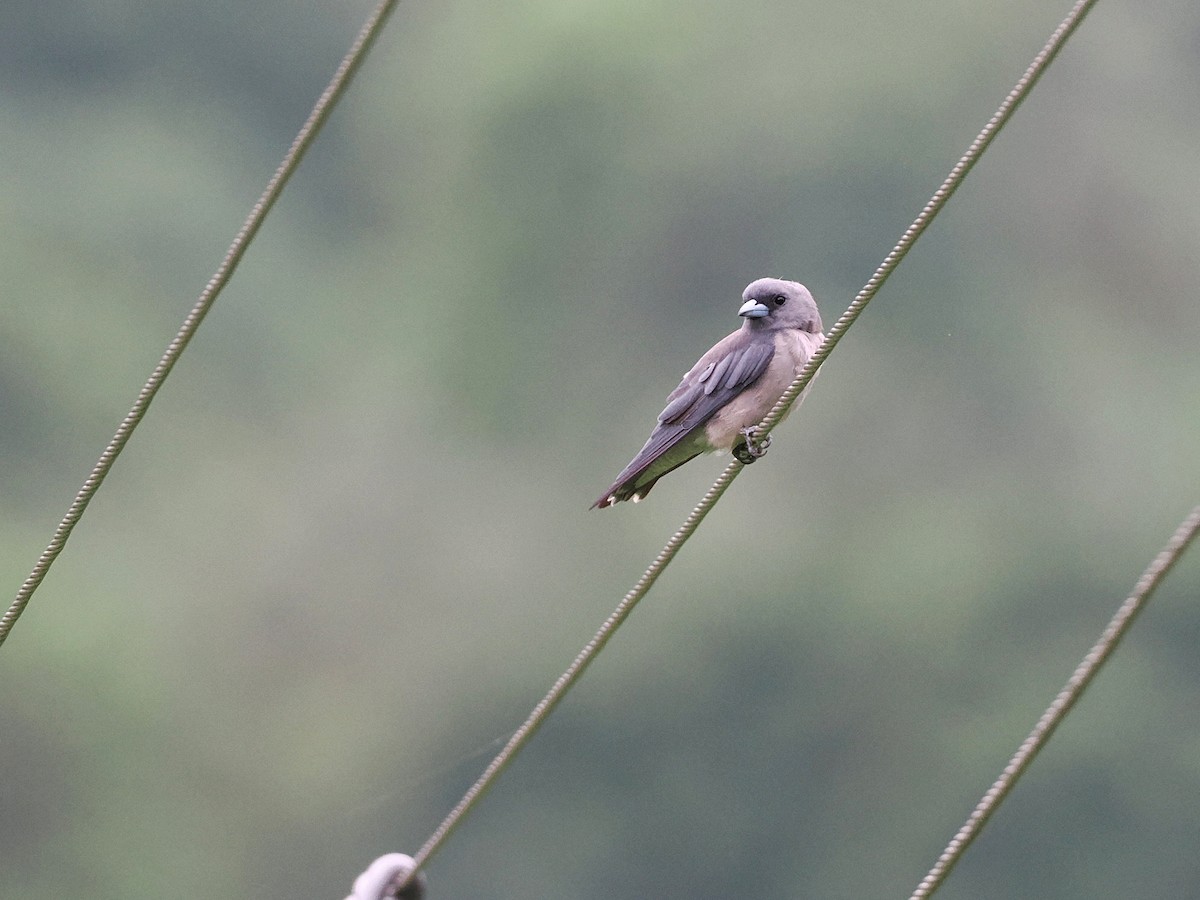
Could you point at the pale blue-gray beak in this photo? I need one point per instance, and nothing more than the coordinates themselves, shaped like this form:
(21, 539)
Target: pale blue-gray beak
(752, 309)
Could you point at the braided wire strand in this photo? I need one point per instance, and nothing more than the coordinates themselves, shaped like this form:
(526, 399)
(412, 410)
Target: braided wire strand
(1061, 705)
(951, 184)
(575, 670)
(304, 137)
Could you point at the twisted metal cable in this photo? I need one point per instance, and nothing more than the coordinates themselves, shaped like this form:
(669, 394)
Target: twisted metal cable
(573, 672)
(1062, 704)
(558, 690)
(964, 165)
(291, 160)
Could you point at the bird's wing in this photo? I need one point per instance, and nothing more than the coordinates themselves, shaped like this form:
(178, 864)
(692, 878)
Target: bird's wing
(720, 375)
(714, 381)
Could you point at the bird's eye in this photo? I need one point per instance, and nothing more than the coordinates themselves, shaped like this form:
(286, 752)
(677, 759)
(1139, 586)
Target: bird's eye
(779, 299)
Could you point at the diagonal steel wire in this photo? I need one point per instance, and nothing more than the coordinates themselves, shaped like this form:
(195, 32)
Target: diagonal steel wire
(573, 672)
(964, 165)
(291, 160)
(1062, 704)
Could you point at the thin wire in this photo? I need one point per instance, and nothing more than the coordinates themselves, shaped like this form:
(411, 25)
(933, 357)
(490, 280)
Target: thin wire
(573, 672)
(291, 160)
(964, 165)
(560, 687)
(1057, 711)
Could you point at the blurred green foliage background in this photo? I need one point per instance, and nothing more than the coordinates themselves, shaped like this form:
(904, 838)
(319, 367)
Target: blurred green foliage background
(351, 545)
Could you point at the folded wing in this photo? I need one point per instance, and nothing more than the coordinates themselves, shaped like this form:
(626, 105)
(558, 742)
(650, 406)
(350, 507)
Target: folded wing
(724, 372)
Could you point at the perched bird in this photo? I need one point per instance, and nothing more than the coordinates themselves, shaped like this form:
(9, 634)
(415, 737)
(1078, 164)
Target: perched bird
(731, 388)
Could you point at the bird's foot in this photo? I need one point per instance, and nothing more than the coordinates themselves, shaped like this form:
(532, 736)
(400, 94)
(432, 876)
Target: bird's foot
(753, 448)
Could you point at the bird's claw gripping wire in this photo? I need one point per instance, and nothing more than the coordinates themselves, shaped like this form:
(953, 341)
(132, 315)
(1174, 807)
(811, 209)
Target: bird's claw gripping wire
(753, 448)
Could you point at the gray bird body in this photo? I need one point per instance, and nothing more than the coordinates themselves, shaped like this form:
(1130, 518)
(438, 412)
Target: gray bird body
(731, 388)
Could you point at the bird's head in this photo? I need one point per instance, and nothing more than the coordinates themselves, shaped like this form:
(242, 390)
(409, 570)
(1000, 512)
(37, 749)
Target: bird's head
(772, 304)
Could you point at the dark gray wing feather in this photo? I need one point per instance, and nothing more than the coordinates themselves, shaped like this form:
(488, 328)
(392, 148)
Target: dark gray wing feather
(697, 399)
(694, 402)
(713, 382)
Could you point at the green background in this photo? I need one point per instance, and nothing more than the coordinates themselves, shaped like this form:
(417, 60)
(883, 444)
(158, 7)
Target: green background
(351, 546)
